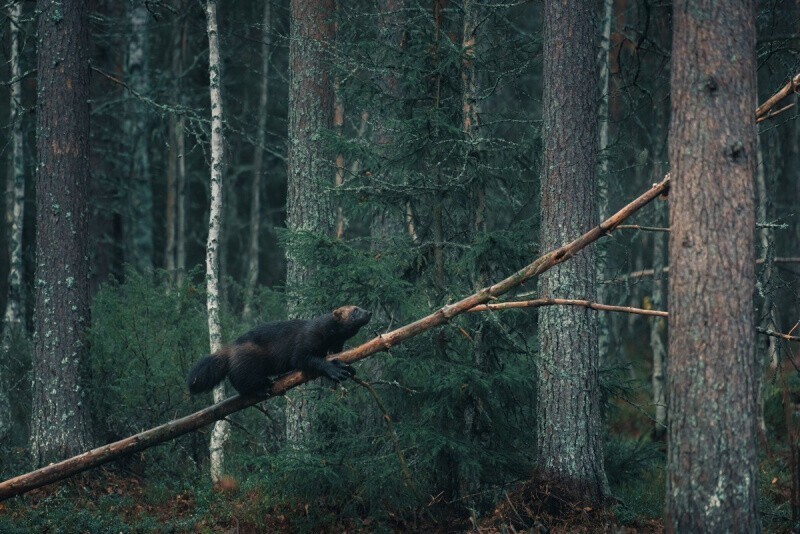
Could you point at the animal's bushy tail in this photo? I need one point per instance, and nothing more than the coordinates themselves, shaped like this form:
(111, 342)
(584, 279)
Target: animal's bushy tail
(208, 372)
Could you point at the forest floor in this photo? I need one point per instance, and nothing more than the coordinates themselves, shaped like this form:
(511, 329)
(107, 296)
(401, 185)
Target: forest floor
(105, 501)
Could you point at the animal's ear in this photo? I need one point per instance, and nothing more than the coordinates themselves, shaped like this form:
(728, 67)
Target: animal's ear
(338, 314)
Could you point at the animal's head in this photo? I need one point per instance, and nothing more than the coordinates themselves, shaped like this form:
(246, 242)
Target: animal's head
(352, 316)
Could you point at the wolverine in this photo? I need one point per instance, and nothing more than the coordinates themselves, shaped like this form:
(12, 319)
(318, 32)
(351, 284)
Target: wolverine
(278, 347)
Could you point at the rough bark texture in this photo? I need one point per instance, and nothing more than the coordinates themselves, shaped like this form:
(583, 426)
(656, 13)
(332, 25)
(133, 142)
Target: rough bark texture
(222, 428)
(568, 445)
(59, 424)
(139, 212)
(309, 201)
(712, 474)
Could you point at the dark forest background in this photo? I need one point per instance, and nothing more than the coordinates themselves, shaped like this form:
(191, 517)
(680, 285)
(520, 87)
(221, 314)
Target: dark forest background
(425, 211)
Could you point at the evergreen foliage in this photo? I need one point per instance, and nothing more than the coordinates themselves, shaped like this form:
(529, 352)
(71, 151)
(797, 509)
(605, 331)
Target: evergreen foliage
(461, 398)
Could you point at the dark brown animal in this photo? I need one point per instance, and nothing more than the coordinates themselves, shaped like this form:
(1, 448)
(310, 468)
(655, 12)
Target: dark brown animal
(279, 347)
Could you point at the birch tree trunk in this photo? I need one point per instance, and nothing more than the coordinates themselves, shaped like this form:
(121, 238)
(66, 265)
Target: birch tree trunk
(712, 475)
(568, 442)
(221, 428)
(139, 220)
(258, 166)
(59, 422)
(14, 304)
(309, 203)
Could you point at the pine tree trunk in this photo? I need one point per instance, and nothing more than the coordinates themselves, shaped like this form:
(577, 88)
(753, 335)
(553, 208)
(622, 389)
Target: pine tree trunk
(258, 166)
(568, 442)
(139, 220)
(59, 422)
(221, 428)
(712, 476)
(309, 203)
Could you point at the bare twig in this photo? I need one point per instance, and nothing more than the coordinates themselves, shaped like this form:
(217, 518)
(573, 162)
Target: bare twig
(538, 303)
(791, 86)
(392, 434)
(772, 333)
(642, 228)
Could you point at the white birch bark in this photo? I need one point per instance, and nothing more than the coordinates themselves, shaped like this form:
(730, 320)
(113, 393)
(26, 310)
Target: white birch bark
(258, 165)
(13, 314)
(221, 428)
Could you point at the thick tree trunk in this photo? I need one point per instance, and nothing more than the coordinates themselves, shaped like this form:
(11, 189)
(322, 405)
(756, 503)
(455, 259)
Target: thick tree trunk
(309, 203)
(222, 428)
(139, 212)
(59, 422)
(258, 166)
(712, 476)
(568, 441)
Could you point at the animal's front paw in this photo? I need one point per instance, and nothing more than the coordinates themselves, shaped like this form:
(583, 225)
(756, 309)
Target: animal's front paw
(340, 371)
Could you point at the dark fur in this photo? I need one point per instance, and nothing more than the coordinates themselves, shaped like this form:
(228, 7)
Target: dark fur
(279, 347)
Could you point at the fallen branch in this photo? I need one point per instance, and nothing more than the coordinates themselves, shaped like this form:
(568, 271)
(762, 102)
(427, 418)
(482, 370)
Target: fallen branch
(173, 429)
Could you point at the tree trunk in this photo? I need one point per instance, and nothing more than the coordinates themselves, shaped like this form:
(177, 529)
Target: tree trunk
(658, 327)
(309, 203)
(14, 316)
(139, 220)
(180, 212)
(568, 442)
(258, 166)
(222, 428)
(173, 155)
(59, 422)
(469, 480)
(604, 290)
(712, 476)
